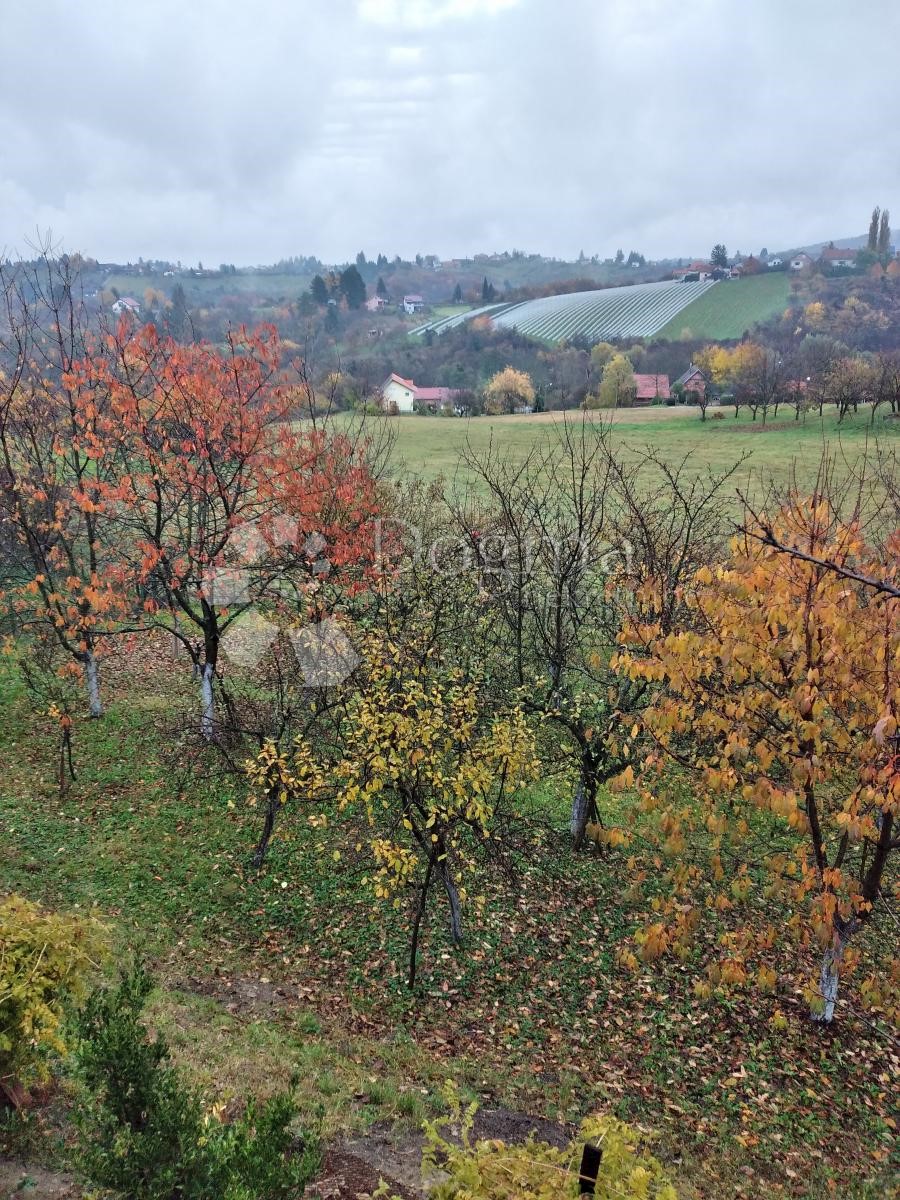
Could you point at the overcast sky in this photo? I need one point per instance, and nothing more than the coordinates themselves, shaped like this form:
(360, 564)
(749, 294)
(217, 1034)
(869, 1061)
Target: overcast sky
(223, 131)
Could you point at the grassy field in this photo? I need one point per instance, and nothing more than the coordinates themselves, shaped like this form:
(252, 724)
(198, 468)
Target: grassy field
(449, 310)
(729, 310)
(209, 287)
(429, 446)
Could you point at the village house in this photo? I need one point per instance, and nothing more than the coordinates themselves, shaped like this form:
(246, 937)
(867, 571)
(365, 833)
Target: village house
(126, 304)
(835, 257)
(377, 303)
(413, 304)
(397, 394)
(401, 395)
(801, 261)
(695, 272)
(434, 399)
(651, 388)
(693, 383)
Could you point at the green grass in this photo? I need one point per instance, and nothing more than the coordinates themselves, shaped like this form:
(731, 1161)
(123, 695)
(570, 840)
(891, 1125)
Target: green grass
(429, 446)
(448, 310)
(730, 309)
(199, 288)
(295, 969)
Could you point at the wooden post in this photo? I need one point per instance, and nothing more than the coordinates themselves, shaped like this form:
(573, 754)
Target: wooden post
(590, 1169)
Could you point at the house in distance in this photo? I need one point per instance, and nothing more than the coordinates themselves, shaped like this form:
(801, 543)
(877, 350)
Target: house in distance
(650, 389)
(399, 395)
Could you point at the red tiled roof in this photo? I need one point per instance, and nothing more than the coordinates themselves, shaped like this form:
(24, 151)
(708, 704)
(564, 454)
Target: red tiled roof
(650, 386)
(832, 252)
(395, 378)
(440, 394)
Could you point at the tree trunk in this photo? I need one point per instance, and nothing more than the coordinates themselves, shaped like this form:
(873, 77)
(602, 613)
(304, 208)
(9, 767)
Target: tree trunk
(829, 977)
(580, 813)
(584, 802)
(452, 896)
(208, 672)
(417, 922)
(92, 683)
(207, 701)
(259, 855)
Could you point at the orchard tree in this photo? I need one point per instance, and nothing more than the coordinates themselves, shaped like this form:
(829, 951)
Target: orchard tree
(507, 390)
(850, 381)
(431, 764)
(58, 473)
(781, 690)
(564, 542)
(223, 491)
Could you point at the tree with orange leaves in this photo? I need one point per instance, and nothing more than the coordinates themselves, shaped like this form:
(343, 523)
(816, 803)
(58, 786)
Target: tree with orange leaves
(58, 473)
(782, 693)
(223, 495)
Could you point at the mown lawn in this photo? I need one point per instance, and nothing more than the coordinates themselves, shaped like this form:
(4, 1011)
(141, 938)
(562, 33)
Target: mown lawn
(296, 969)
(731, 309)
(782, 450)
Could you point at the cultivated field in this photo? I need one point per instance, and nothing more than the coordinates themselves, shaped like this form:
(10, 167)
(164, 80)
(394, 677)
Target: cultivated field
(638, 311)
(729, 311)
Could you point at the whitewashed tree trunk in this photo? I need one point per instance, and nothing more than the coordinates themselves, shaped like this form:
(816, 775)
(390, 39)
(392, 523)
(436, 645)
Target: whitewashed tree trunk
(92, 683)
(206, 700)
(829, 978)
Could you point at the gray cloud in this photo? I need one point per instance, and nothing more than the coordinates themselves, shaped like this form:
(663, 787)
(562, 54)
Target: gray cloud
(244, 133)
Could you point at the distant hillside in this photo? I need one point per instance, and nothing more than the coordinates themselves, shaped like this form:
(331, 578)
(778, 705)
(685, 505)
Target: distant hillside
(858, 242)
(731, 308)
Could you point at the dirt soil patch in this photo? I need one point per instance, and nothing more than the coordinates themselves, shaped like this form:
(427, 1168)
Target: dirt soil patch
(35, 1183)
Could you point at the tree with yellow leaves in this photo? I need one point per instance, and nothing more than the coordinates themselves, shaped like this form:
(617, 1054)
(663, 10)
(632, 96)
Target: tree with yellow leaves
(782, 691)
(430, 764)
(507, 390)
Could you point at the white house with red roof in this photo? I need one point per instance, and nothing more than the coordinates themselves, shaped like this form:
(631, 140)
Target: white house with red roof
(126, 304)
(398, 394)
(401, 395)
(837, 256)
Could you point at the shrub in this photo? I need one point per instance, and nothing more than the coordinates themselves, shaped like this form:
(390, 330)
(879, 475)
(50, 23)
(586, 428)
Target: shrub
(144, 1131)
(45, 961)
(493, 1170)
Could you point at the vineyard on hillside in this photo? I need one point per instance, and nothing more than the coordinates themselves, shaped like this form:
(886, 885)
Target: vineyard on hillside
(731, 311)
(623, 312)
